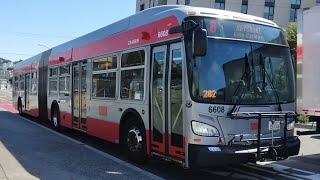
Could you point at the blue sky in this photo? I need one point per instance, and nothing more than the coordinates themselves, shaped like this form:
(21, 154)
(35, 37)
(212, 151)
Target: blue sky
(28, 27)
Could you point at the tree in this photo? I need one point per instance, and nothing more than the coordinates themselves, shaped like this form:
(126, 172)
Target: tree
(291, 34)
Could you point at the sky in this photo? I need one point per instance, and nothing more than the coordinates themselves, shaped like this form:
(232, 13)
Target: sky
(29, 27)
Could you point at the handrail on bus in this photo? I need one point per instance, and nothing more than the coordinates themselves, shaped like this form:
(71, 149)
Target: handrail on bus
(104, 92)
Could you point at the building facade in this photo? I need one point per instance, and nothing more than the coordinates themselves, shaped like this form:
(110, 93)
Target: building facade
(282, 12)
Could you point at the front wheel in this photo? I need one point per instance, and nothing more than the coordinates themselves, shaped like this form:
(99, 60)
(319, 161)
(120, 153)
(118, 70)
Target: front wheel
(135, 141)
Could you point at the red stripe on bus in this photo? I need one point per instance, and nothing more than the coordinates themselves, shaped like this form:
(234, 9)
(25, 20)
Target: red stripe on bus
(145, 34)
(148, 142)
(66, 119)
(34, 112)
(177, 151)
(103, 129)
(49, 114)
(61, 57)
(157, 146)
(305, 110)
(26, 69)
(317, 111)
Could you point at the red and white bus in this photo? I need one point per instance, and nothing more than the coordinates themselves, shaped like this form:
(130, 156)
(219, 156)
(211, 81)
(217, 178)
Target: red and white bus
(197, 86)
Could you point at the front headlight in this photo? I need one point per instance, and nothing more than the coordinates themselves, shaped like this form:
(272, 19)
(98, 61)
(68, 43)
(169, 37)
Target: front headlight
(202, 129)
(290, 126)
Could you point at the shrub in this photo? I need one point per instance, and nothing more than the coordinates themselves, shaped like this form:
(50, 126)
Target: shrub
(303, 119)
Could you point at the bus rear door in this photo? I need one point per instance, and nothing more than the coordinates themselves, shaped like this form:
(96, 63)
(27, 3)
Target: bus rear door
(79, 95)
(167, 136)
(27, 92)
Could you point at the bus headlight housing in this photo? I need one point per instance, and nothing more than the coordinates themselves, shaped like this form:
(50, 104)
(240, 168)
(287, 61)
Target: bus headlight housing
(290, 126)
(202, 129)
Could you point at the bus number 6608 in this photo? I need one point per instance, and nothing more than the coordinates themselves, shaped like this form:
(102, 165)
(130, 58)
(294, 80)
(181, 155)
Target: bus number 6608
(216, 109)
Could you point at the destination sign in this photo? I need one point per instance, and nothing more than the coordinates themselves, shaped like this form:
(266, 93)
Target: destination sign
(244, 31)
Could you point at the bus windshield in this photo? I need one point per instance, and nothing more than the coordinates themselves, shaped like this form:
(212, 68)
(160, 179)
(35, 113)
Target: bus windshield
(238, 72)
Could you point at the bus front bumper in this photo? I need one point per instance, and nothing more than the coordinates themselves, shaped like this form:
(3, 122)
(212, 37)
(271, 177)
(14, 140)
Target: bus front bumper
(210, 156)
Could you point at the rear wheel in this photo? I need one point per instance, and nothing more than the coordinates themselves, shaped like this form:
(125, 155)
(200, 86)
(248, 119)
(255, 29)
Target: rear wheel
(135, 141)
(55, 118)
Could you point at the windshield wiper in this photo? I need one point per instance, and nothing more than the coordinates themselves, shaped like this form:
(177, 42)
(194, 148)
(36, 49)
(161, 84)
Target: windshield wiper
(245, 73)
(264, 72)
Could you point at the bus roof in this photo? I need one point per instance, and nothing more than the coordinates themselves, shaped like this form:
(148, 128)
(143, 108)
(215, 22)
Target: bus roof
(142, 18)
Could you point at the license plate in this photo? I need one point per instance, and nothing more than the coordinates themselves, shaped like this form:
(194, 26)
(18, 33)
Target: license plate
(274, 126)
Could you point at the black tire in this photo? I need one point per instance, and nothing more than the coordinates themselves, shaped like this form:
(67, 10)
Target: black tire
(20, 107)
(135, 141)
(55, 118)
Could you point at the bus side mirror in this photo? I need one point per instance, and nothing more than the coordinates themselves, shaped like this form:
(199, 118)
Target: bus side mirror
(199, 42)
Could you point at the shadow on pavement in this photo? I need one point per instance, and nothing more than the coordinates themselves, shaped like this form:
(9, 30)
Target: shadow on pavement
(30, 152)
(316, 137)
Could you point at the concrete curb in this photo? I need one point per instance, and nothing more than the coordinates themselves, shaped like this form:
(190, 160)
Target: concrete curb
(306, 126)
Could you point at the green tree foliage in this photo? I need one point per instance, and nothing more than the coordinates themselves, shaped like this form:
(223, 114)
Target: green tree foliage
(291, 34)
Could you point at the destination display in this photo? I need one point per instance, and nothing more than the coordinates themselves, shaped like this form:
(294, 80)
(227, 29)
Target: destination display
(244, 30)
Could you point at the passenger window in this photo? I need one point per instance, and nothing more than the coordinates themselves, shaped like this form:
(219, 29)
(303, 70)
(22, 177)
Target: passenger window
(132, 79)
(135, 58)
(104, 85)
(104, 78)
(64, 80)
(53, 81)
(105, 63)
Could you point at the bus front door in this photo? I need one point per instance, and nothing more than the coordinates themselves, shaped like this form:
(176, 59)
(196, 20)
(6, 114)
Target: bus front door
(167, 136)
(79, 98)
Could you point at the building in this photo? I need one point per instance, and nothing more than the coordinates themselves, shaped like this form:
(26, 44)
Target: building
(282, 12)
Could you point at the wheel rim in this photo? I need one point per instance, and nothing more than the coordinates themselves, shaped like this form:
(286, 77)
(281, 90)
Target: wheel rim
(134, 140)
(55, 119)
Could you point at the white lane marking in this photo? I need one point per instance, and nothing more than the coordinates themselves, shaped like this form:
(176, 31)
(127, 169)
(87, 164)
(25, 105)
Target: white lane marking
(314, 177)
(292, 177)
(230, 174)
(279, 174)
(257, 168)
(286, 170)
(146, 173)
(252, 174)
(220, 173)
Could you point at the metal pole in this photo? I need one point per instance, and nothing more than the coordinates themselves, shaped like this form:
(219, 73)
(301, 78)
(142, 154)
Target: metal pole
(258, 136)
(285, 136)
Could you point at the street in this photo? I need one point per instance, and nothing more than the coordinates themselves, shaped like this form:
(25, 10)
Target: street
(41, 153)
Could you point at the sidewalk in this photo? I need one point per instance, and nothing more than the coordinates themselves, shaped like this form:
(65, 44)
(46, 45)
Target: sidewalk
(2, 174)
(31, 151)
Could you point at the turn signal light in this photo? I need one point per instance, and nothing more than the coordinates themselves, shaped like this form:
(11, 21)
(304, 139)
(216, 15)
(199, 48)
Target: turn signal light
(197, 140)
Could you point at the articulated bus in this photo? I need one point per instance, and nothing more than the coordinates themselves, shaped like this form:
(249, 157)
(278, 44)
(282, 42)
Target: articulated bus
(197, 86)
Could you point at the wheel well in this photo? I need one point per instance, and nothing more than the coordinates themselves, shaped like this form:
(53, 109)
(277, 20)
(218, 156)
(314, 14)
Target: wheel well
(127, 116)
(54, 105)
